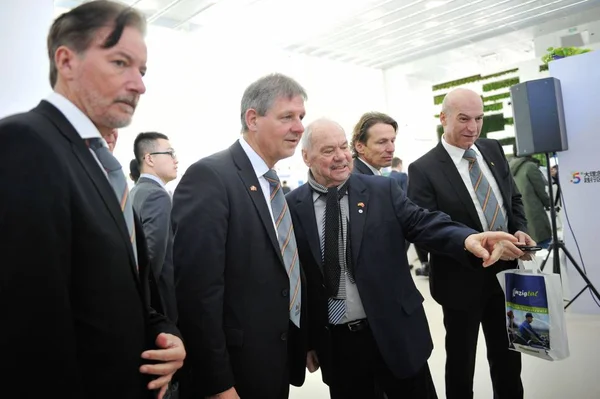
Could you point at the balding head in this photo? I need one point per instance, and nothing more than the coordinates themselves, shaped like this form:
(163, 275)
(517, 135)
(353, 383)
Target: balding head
(459, 97)
(462, 117)
(319, 125)
(326, 152)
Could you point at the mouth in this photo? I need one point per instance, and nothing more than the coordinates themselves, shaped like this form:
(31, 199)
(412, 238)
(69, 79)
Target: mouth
(338, 168)
(130, 103)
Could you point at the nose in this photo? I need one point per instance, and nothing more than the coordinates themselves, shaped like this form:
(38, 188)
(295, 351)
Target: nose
(297, 126)
(136, 83)
(472, 125)
(391, 147)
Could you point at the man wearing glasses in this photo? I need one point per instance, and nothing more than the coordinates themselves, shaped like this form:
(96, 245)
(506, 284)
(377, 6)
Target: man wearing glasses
(152, 204)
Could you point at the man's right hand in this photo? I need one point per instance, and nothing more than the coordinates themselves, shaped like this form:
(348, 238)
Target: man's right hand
(231, 393)
(312, 361)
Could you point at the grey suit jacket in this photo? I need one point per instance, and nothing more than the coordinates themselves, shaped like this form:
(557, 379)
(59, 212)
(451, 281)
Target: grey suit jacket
(152, 204)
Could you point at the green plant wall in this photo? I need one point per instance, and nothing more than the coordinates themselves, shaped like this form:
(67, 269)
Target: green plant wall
(471, 79)
(500, 84)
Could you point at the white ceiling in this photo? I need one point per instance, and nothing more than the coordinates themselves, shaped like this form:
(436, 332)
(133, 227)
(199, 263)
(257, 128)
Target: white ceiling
(374, 33)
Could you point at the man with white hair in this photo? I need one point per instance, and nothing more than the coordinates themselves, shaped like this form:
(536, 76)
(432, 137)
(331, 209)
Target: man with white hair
(367, 325)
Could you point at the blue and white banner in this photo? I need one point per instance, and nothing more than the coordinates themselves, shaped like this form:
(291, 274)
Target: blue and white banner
(579, 169)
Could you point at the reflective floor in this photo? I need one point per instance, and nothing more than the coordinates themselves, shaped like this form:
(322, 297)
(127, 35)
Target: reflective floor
(574, 378)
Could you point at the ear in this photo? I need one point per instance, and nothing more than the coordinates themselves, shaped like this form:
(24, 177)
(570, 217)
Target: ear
(66, 62)
(305, 158)
(148, 160)
(443, 118)
(251, 116)
(359, 147)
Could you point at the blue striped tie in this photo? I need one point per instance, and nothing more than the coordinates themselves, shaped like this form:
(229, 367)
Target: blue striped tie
(118, 183)
(287, 243)
(485, 194)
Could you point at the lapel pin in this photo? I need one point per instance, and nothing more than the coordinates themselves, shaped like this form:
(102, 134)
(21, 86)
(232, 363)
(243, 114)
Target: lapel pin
(492, 164)
(361, 204)
(252, 188)
(360, 211)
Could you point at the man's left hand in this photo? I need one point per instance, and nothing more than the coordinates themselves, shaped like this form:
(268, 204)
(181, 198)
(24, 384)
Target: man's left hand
(489, 245)
(525, 239)
(170, 355)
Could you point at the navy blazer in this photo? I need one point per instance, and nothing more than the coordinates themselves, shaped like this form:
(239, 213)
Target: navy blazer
(381, 218)
(401, 178)
(231, 283)
(68, 280)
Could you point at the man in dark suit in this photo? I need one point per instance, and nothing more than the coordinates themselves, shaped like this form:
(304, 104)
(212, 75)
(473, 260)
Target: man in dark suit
(74, 290)
(152, 204)
(238, 282)
(469, 179)
(373, 143)
(398, 175)
(367, 325)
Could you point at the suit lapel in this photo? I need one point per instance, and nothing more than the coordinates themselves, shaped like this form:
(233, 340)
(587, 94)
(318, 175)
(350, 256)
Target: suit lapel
(358, 200)
(252, 186)
(306, 215)
(361, 167)
(89, 164)
(451, 172)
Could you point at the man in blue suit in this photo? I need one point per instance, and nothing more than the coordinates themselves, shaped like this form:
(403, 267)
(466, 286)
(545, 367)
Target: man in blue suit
(367, 326)
(398, 174)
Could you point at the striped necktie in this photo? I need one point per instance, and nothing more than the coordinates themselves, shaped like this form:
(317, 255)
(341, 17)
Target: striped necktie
(118, 182)
(287, 243)
(485, 194)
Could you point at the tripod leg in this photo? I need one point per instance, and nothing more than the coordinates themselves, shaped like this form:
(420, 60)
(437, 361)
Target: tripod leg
(581, 273)
(575, 297)
(547, 256)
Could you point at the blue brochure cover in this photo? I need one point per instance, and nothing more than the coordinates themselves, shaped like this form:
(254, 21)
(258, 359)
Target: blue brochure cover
(528, 321)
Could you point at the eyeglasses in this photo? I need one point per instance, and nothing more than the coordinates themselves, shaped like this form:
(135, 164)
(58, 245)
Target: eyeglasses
(171, 153)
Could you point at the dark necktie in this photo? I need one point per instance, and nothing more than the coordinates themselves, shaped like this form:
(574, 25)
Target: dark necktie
(333, 251)
(287, 243)
(118, 183)
(485, 194)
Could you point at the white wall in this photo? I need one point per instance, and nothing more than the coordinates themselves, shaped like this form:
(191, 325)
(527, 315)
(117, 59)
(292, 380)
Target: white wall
(195, 84)
(24, 68)
(410, 102)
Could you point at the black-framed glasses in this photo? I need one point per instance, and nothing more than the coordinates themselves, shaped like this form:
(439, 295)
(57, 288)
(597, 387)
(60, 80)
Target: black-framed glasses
(171, 153)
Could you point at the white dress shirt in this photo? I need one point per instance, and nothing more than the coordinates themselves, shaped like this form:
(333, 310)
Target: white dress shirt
(462, 165)
(260, 168)
(82, 124)
(375, 171)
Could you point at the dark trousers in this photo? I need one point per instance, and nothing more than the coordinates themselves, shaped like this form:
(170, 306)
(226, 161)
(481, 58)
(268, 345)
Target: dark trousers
(359, 371)
(462, 331)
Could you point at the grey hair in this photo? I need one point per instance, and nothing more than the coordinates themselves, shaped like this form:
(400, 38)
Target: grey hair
(261, 94)
(315, 125)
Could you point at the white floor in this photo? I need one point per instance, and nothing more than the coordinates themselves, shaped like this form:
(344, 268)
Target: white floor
(577, 377)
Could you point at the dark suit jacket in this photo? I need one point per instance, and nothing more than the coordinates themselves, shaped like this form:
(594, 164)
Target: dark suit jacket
(392, 303)
(401, 178)
(435, 184)
(152, 204)
(361, 168)
(231, 283)
(70, 292)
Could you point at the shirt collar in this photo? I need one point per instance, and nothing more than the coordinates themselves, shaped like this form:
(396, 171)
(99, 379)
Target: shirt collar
(456, 153)
(258, 164)
(80, 121)
(375, 171)
(155, 178)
